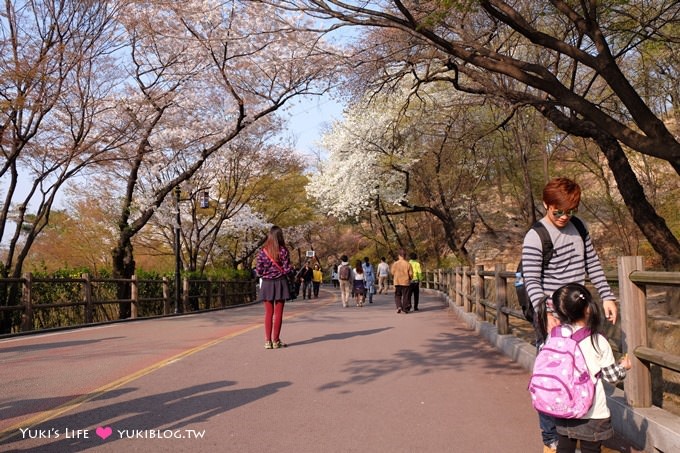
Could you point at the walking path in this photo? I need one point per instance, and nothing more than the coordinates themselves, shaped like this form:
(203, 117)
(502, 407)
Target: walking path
(351, 380)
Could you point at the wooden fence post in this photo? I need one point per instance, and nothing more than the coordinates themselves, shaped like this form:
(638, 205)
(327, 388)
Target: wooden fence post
(27, 301)
(439, 286)
(479, 294)
(87, 298)
(638, 386)
(502, 319)
(134, 296)
(467, 284)
(166, 296)
(458, 286)
(450, 284)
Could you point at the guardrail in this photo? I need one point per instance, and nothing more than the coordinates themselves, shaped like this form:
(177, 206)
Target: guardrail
(88, 300)
(486, 294)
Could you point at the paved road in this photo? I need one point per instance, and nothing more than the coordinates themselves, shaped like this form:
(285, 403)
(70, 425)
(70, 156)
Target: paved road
(352, 380)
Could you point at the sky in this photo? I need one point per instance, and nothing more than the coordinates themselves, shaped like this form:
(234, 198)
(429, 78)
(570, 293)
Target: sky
(309, 118)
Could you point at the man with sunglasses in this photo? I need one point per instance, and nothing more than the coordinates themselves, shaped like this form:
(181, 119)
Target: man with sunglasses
(573, 259)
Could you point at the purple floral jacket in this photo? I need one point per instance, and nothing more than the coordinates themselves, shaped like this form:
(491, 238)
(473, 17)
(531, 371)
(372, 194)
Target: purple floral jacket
(265, 268)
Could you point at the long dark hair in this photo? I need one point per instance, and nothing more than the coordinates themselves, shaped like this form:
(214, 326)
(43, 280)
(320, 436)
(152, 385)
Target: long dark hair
(274, 242)
(572, 302)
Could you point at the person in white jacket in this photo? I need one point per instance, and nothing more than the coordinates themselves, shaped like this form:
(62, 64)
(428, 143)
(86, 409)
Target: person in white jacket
(345, 275)
(383, 275)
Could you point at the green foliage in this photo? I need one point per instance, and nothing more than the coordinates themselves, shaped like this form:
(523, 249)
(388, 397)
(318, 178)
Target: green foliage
(219, 274)
(58, 297)
(286, 203)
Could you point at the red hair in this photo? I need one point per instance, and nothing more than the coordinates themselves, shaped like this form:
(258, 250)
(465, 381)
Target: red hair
(562, 193)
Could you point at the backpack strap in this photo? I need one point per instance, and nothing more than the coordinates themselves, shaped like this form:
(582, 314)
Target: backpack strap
(556, 332)
(581, 334)
(546, 243)
(582, 230)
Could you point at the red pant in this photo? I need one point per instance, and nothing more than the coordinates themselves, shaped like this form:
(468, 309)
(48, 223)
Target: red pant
(273, 318)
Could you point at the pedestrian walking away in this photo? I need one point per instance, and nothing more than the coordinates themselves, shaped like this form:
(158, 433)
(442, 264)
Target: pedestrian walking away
(273, 266)
(334, 277)
(369, 276)
(414, 287)
(383, 276)
(402, 274)
(317, 279)
(359, 284)
(573, 259)
(345, 280)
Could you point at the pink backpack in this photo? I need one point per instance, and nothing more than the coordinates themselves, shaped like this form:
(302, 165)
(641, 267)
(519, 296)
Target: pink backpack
(560, 384)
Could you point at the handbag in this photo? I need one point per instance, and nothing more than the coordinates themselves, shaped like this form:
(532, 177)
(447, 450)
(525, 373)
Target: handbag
(290, 276)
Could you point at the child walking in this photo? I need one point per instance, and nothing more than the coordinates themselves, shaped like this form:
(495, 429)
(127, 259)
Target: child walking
(359, 286)
(575, 308)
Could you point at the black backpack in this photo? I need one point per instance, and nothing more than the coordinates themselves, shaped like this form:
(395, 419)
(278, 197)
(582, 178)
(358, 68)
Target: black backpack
(548, 250)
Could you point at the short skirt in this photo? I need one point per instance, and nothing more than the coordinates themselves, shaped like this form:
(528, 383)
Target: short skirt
(275, 289)
(590, 429)
(359, 287)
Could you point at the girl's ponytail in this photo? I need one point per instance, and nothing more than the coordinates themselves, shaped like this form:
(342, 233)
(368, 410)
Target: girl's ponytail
(573, 302)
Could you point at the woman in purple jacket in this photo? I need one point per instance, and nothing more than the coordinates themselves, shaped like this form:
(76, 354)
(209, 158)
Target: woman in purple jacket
(273, 267)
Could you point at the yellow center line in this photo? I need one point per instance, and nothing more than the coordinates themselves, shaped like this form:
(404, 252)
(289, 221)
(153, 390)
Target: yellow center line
(44, 416)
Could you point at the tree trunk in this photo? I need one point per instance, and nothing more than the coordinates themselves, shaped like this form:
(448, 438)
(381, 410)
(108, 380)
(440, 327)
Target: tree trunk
(124, 268)
(652, 225)
(451, 232)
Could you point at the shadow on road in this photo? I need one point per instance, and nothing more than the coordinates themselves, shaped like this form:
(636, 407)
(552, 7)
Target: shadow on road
(166, 412)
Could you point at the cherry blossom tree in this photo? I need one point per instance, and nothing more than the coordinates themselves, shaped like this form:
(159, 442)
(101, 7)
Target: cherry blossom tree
(219, 204)
(202, 72)
(55, 76)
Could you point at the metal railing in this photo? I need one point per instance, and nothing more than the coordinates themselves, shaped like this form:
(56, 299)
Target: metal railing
(46, 303)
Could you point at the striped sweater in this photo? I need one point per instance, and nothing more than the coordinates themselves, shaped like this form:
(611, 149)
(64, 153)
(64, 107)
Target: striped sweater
(566, 264)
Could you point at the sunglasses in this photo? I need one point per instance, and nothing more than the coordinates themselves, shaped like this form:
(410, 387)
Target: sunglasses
(560, 212)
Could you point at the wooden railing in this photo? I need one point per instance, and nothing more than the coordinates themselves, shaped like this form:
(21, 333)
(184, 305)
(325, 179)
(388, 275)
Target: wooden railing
(87, 300)
(487, 294)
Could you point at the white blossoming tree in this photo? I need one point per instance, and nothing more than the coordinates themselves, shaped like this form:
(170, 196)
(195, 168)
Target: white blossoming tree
(402, 154)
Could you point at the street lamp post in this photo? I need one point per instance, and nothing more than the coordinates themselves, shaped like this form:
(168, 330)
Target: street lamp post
(178, 281)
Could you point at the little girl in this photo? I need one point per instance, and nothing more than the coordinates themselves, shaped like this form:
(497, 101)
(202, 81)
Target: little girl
(575, 308)
(359, 286)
